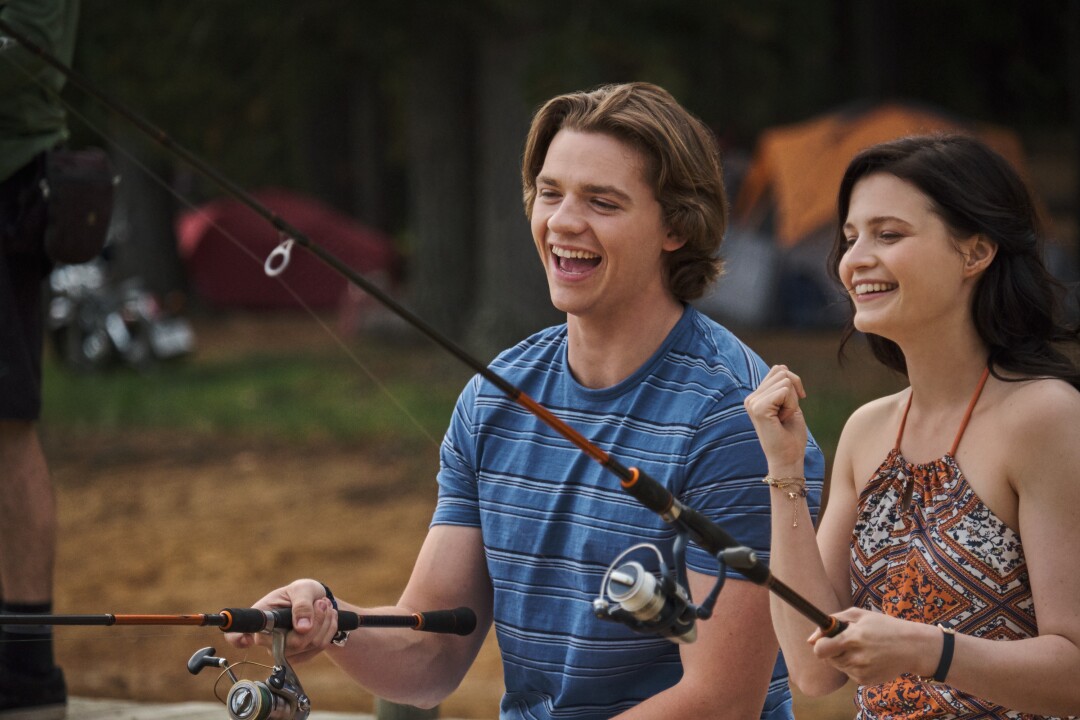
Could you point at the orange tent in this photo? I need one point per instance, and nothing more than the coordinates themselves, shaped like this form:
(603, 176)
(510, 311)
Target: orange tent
(800, 166)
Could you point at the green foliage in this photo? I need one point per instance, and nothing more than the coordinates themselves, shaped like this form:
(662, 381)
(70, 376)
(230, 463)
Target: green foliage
(286, 397)
(826, 413)
(399, 394)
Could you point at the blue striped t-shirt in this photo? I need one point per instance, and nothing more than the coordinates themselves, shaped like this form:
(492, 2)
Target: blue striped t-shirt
(553, 519)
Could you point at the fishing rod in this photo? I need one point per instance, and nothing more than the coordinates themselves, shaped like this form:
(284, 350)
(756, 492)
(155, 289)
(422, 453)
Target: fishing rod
(459, 621)
(280, 696)
(634, 481)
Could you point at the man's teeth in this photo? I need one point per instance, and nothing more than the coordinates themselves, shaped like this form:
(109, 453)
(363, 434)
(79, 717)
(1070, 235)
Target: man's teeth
(573, 254)
(863, 288)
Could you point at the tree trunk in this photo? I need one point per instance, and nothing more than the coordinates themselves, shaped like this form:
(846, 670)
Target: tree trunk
(325, 139)
(442, 262)
(367, 150)
(513, 295)
(1072, 39)
(142, 238)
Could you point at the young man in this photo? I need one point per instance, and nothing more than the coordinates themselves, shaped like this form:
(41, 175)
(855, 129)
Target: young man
(625, 196)
(32, 121)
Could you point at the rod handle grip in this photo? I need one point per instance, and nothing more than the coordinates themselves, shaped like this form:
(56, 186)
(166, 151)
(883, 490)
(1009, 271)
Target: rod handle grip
(459, 621)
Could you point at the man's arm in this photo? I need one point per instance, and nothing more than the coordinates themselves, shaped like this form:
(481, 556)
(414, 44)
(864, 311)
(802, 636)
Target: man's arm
(419, 668)
(404, 666)
(726, 672)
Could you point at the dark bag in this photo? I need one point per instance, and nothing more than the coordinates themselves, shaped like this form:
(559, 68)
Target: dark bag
(78, 189)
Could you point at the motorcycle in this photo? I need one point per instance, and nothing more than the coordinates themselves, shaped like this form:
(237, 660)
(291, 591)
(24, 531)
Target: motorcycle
(96, 322)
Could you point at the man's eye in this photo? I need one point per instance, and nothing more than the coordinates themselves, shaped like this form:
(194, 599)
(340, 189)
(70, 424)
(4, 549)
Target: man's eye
(605, 205)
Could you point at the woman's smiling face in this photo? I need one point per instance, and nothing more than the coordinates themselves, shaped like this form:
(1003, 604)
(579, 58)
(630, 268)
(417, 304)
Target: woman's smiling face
(902, 268)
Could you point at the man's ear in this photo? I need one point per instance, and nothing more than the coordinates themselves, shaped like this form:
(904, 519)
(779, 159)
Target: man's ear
(978, 251)
(672, 242)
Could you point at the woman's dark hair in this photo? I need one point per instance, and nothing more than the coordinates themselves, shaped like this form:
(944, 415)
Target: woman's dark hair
(1016, 306)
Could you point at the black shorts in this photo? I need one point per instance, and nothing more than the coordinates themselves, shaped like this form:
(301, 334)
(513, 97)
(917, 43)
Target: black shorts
(23, 267)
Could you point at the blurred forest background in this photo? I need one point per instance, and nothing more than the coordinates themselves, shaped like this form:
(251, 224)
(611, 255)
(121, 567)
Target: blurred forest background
(410, 116)
(188, 486)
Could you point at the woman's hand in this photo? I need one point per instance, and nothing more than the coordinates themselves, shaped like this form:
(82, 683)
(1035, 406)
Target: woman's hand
(774, 410)
(875, 648)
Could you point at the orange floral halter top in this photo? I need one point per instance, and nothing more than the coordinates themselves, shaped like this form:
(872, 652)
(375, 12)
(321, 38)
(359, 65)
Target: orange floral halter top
(925, 548)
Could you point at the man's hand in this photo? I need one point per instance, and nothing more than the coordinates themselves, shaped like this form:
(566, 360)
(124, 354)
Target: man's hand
(314, 620)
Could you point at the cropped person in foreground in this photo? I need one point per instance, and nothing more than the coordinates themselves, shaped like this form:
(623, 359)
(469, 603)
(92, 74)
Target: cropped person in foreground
(32, 122)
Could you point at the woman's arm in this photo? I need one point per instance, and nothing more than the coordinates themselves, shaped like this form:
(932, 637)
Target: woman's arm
(1036, 429)
(812, 564)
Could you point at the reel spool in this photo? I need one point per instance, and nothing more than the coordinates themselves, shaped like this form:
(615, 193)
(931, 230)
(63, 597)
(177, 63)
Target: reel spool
(279, 697)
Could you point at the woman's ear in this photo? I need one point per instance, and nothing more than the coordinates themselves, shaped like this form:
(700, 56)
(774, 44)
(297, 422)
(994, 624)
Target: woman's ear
(978, 251)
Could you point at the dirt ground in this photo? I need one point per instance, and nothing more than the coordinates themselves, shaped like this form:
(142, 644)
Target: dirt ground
(155, 522)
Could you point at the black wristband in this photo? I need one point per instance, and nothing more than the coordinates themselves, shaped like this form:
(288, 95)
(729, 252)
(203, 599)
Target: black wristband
(329, 595)
(341, 635)
(949, 643)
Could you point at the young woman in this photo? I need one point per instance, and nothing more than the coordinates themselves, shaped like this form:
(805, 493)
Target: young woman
(949, 544)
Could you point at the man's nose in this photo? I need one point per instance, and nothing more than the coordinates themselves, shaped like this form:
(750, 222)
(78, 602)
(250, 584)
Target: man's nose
(567, 219)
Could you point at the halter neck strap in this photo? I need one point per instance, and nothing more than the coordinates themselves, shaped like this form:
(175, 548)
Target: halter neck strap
(903, 420)
(970, 409)
(963, 423)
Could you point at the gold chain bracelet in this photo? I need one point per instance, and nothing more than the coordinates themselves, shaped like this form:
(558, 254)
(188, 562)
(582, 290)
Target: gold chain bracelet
(795, 487)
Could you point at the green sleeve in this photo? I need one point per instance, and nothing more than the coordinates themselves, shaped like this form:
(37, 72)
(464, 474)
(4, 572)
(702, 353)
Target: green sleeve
(49, 24)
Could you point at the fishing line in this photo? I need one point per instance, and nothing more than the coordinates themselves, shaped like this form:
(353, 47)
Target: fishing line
(167, 186)
(646, 490)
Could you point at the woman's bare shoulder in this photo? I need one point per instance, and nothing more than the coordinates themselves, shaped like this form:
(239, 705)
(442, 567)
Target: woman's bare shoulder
(1038, 422)
(882, 415)
(1036, 406)
(869, 434)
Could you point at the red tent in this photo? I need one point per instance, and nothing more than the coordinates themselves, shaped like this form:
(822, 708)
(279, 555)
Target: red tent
(224, 244)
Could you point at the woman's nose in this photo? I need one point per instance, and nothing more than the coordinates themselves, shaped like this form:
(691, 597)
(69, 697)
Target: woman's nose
(857, 257)
(858, 254)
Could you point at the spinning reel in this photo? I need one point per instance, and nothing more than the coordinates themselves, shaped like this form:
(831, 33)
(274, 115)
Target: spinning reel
(661, 605)
(280, 697)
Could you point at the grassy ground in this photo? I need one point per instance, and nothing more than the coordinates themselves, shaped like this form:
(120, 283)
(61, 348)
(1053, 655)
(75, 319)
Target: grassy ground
(282, 451)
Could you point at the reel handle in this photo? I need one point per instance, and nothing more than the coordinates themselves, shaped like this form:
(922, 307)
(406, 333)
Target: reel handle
(203, 659)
